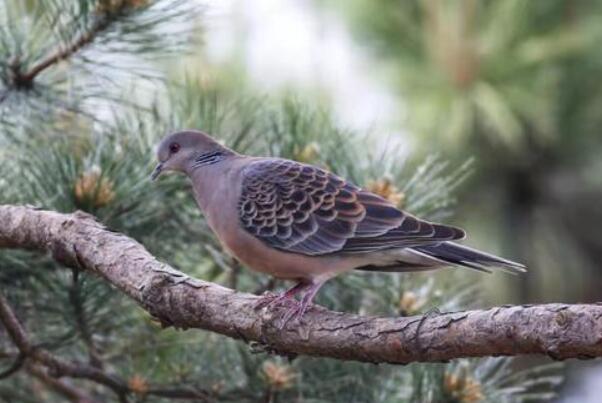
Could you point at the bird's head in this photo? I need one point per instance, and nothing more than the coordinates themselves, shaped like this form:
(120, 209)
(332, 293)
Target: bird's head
(186, 151)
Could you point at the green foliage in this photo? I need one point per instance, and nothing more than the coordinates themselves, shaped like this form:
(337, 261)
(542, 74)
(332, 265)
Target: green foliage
(485, 71)
(97, 161)
(97, 44)
(514, 84)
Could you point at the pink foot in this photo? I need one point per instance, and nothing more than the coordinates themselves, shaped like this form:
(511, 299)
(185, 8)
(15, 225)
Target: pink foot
(271, 299)
(297, 311)
(265, 299)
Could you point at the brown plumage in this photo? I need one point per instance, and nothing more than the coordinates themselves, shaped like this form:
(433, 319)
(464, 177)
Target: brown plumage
(300, 222)
(304, 209)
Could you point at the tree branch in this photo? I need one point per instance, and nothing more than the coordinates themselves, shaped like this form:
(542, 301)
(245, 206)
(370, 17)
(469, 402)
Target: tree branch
(77, 301)
(73, 369)
(59, 366)
(105, 14)
(85, 38)
(65, 389)
(558, 330)
(14, 367)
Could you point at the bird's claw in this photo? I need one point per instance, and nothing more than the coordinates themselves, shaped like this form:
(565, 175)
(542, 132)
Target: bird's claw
(269, 300)
(265, 300)
(293, 313)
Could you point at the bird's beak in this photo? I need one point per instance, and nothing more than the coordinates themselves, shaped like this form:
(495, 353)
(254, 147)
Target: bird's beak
(157, 171)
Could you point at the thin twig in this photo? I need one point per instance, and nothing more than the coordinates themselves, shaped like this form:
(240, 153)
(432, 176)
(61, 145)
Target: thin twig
(62, 387)
(74, 369)
(76, 299)
(59, 366)
(100, 24)
(16, 365)
(235, 269)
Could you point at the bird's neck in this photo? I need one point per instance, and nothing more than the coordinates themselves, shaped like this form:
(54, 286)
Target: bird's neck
(204, 182)
(210, 181)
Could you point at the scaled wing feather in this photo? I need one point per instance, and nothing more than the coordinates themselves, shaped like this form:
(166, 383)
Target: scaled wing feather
(303, 209)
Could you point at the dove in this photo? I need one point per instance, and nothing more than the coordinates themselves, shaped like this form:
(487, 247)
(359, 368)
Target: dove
(300, 222)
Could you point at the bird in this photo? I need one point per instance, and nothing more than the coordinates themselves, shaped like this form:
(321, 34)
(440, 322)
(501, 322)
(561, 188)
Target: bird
(299, 222)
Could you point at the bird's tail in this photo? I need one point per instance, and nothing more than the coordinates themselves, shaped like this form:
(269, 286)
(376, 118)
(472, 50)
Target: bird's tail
(429, 257)
(456, 254)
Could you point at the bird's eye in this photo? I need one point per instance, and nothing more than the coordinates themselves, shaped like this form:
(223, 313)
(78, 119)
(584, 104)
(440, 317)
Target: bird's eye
(174, 148)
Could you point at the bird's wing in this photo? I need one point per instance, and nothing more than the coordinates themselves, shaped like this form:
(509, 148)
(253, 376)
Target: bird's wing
(303, 209)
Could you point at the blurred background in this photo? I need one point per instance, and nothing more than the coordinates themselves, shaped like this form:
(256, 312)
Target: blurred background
(483, 114)
(509, 85)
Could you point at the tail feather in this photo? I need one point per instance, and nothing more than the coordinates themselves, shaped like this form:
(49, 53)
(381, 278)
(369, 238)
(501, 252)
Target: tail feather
(456, 254)
(430, 257)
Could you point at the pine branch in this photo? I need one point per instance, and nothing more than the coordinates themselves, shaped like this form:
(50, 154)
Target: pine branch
(235, 269)
(59, 366)
(74, 369)
(560, 331)
(116, 26)
(76, 299)
(25, 79)
(14, 367)
(63, 388)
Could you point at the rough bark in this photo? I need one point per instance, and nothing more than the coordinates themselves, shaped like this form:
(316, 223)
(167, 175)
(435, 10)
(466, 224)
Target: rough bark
(77, 240)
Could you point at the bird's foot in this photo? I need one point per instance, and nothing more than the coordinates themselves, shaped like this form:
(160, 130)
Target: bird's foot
(266, 299)
(297, 311)
(271, 299)
(293, 313)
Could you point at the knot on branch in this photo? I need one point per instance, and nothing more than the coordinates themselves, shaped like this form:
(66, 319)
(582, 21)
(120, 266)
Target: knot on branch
(17, 78)
(154, 299)
(82, 215)
(65, 255)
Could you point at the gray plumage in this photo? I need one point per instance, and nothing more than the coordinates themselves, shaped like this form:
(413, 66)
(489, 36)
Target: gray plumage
(301, 222)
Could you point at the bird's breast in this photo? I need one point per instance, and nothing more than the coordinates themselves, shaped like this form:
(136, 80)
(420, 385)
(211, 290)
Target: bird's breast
(218, 195)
